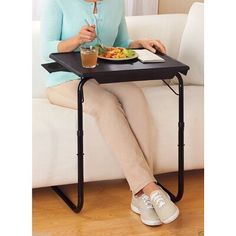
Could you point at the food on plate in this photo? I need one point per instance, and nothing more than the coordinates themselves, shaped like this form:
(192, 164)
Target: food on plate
(115, 53)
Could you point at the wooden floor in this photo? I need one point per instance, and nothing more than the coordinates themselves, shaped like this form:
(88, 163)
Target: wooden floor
(107, 211)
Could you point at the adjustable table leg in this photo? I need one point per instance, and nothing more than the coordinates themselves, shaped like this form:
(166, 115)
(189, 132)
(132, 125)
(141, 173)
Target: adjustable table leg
(80, 182)
(180, 145)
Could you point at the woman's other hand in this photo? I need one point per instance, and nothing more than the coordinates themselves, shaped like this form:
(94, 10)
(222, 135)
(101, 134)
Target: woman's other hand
(87, 34)
(151, 45)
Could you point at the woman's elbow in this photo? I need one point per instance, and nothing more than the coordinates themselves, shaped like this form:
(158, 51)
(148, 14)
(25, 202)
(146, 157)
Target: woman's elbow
(48, 48)
(45, 54)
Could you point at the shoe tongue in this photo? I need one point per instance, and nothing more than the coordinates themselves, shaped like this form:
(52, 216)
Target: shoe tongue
(144, 195)
(146, 201)
(154, 193)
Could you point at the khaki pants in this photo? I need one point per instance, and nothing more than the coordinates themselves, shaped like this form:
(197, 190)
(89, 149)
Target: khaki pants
(122, 115)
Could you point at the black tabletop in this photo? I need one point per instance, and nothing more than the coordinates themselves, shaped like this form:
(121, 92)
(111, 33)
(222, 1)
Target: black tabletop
(114, 71)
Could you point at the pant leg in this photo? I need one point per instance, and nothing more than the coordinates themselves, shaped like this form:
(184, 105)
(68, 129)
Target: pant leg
(138, 114)
(114, 126)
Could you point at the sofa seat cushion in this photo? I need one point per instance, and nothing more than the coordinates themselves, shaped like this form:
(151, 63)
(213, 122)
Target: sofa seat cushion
(54, 139)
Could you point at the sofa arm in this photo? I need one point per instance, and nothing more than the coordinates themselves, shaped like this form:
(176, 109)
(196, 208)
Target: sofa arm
(192, 45)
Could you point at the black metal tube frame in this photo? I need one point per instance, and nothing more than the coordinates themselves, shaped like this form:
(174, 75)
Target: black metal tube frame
(80, 183)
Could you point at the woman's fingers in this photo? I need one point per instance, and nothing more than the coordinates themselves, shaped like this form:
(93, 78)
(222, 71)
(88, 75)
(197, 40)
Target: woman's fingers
(87, 36)
(163, 48)
(90, 28)
(159, 46)
(153, 45)
(149, 46)
(88, 33)
(84, 40)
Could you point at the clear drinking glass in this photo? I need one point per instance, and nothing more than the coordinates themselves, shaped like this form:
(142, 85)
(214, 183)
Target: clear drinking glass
(89, 56)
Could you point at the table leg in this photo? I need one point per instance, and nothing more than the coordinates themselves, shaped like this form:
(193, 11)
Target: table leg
(180, 145)
(80, 181)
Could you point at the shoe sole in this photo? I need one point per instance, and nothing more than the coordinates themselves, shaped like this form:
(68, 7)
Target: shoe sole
(171, 218)
(146, 222)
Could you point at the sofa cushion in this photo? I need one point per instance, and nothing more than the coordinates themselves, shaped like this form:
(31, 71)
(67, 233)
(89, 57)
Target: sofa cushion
(54, 139)
(192, 45)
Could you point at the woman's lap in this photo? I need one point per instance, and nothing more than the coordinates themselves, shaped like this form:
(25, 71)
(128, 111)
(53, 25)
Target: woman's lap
(66, 94)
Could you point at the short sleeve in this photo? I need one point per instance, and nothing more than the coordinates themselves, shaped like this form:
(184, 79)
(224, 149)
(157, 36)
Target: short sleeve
(51, 27)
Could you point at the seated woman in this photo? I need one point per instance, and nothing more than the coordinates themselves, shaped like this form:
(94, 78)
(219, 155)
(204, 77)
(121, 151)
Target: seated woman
(120, 109)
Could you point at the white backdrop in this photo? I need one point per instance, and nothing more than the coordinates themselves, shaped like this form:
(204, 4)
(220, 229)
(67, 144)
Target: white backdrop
(133, 7)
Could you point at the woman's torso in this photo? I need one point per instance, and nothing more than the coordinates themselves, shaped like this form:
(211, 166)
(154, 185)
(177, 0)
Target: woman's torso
(75, 12)
(72, 16)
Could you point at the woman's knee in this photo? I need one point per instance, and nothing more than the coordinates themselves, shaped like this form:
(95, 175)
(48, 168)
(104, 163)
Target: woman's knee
(104, 104)
(50, 94)
(136, 90)
(133, 94)
(58, 99)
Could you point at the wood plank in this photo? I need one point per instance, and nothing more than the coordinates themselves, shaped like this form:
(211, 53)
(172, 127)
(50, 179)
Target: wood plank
(106, 210)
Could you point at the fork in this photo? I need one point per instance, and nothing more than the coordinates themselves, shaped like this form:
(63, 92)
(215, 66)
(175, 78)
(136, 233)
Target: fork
(98, 38)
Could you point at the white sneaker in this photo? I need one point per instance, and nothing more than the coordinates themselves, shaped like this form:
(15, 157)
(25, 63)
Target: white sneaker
(164, 207)
(143, 206)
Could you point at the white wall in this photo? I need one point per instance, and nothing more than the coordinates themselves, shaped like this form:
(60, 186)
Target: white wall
(133, 7)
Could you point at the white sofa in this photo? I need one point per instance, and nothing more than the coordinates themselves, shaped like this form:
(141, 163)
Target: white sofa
(54, 127)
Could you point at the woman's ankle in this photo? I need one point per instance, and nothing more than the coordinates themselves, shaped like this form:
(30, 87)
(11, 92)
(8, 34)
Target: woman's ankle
(149, 188)
(139, 193)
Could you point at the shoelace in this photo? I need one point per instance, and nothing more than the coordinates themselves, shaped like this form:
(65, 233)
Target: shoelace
(146, 201)
(158, 199)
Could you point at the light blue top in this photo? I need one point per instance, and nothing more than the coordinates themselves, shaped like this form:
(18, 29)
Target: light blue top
(63, 19)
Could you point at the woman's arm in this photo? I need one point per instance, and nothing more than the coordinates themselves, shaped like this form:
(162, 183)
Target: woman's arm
(86, 34)
(51, 29)
(51, 25)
